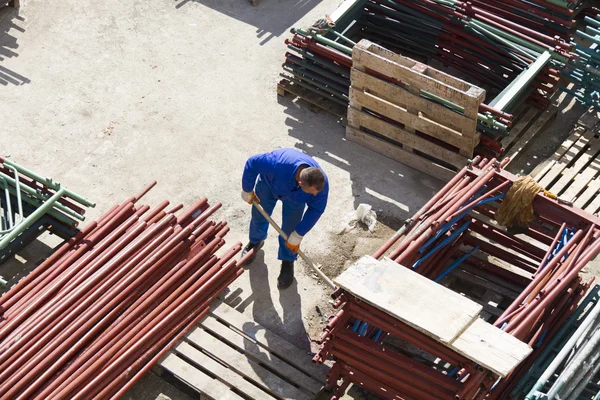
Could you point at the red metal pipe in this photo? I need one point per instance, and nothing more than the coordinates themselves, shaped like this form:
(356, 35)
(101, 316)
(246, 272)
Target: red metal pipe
(538, 278)
(23, 287)
(90, 241)
(68, 327)
(173, 308)
(539, 304)
(35, 300)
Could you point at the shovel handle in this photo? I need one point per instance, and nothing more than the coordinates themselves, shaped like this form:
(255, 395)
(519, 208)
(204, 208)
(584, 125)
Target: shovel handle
(300, 252)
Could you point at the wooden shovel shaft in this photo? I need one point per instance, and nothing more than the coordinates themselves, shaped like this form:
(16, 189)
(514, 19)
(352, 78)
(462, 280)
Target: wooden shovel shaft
(300, 252)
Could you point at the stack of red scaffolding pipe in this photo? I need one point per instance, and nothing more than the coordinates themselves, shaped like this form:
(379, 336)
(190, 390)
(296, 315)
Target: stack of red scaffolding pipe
(455, 231)
(96, 315)
(363, 359)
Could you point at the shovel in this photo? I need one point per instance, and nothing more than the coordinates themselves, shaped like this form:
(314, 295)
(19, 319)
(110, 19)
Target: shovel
(307, 260)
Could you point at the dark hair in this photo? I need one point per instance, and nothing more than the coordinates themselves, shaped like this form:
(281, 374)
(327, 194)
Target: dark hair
(313, 177)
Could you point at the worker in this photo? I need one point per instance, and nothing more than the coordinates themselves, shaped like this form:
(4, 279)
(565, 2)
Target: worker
(299, 182)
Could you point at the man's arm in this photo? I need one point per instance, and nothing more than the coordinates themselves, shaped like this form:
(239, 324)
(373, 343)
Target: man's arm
(316, 208)
(258, 164)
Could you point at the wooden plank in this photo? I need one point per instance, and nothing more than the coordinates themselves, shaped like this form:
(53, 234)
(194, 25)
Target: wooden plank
(517, 129)
(399, 96)
(582, 180)
(593, 207)
(271, 341)
(562, 163)
(358, 119)
(383, 106)
(491, 348)
(570, 173)
(197, 379)
(245, 366)
(367, 55)
(423, 69)
(588, 194)
(223, 373)
(534, 130)
(254, 350)
(398, 154)
(564, 147)
(413, 299)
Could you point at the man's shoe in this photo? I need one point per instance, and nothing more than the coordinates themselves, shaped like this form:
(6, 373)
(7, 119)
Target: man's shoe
(250, 246)
(286, 276)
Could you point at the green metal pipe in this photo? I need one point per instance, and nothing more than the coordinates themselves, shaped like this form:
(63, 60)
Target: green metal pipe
(486, 119)
(505, 42)
(9, 222)
(34, 202)
(35, 193)
(537, 48)
(48, 182)
(34, 216)
(322, 39)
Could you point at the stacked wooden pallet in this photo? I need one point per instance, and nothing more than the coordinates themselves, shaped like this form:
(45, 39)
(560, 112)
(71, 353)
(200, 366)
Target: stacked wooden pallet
(229, 356)
(389, 113)
(573, 171)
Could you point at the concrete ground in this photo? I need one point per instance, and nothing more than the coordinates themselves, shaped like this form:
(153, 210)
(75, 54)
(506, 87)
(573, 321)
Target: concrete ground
(106, 96)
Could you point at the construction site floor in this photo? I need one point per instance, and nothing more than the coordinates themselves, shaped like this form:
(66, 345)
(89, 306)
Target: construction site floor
(106, 96)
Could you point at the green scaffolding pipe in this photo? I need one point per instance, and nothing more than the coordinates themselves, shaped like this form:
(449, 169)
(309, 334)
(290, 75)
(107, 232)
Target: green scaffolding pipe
(503, 41)
(322, 39)
(35, 193)
(49, 183)
(487, 120)
(34, 216)
(34, 202)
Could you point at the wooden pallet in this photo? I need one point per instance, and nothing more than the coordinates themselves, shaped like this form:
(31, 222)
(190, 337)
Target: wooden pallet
(317, 101)
(229, 356)
(388, 114)
(573, 172)
(526, 130)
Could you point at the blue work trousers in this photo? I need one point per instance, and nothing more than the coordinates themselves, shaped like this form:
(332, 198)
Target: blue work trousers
(292, 215)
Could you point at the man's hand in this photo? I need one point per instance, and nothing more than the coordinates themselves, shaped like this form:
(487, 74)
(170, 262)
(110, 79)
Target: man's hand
(293, 242)
(249, 197)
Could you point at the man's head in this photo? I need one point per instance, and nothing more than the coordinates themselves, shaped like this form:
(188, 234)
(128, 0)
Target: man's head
(311, 180)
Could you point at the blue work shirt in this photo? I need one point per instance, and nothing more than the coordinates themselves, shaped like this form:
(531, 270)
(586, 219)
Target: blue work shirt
(278, 169)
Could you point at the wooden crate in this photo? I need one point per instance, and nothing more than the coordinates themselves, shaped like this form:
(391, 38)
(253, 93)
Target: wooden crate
(388, 114)
(229, 356)
(573, 171)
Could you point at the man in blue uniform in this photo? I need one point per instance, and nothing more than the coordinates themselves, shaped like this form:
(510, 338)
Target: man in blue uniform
(299, 182)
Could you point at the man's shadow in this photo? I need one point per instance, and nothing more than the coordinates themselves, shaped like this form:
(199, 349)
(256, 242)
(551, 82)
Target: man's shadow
(289, 326)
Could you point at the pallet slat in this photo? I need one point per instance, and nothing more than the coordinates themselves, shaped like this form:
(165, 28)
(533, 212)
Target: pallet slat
(277, 345)
(396, 153)
(228, 356)
(245, 366)
(360, 119)
(198, 380)
(251, 348)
